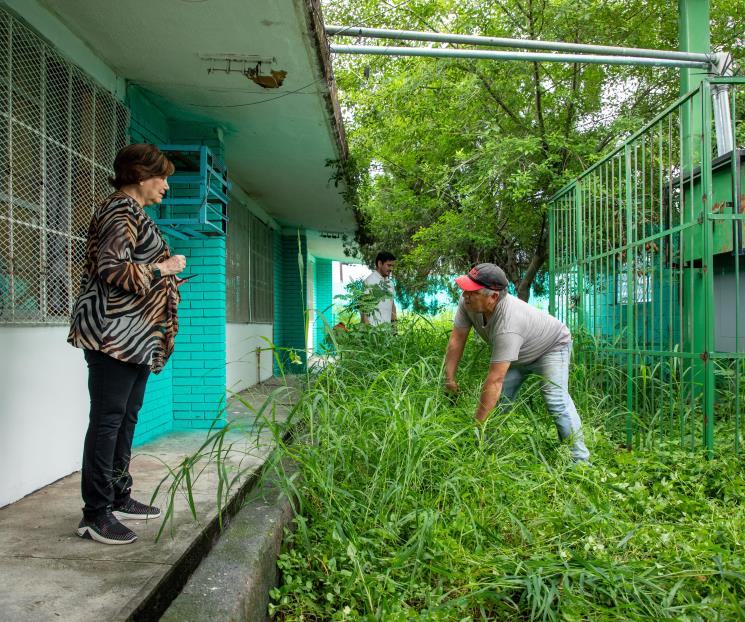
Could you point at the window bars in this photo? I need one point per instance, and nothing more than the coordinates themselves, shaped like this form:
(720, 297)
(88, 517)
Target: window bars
(647, 266)
(250, 271)
(59, 133)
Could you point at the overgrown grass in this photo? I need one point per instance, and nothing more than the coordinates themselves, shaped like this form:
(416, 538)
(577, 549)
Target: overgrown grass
(406, 514)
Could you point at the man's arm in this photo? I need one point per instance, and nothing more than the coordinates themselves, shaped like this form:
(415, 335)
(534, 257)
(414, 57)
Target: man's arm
(393, 313)
(364, 319)
(453, 354)
(492, 389)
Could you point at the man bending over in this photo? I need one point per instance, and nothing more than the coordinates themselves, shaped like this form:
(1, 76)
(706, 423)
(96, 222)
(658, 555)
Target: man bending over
(524, 340)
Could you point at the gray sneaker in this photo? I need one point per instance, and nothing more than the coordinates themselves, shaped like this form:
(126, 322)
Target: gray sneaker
(134, 510)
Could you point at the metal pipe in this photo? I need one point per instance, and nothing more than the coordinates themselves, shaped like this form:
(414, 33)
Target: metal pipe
(559, 46)
(722, 115)
(381, 50)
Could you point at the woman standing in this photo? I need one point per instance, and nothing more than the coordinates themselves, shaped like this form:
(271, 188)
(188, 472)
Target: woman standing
(125, 320)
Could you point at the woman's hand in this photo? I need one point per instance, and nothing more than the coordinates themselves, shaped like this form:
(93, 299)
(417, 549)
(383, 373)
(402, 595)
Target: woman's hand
(172, 265)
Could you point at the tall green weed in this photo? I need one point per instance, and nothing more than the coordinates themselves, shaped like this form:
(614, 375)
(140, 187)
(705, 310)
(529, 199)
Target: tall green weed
(407, 514)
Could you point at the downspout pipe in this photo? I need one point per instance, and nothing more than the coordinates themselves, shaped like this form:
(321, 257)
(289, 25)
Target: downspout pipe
(384, 50)
(722, 112)
(556, 46)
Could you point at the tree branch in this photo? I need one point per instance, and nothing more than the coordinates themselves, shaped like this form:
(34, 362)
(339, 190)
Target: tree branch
(492, 92)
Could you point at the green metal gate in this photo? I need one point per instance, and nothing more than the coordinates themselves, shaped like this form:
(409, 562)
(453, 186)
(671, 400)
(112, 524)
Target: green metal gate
(647, 266)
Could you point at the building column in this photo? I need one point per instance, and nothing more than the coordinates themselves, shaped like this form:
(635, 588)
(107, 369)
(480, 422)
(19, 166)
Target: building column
(290, 304)
(324, 319)
(199, 359)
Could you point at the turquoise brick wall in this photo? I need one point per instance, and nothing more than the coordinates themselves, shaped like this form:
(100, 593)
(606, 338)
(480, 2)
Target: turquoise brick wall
(156, 415)
(190, 391)
(148, 124)
(290, 303)
(199, 374)
(277, 262)
(324, 298)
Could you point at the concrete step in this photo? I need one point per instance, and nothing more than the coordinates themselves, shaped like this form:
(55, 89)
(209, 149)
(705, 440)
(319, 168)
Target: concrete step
(233, 581)
(49, 573)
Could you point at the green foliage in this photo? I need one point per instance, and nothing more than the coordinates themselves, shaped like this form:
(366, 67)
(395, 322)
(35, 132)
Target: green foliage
(407, 515)
(453, 159)
(361, 298)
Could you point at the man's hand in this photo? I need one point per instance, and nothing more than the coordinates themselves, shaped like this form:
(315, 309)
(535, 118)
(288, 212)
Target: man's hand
(456, 345)
(451, 386)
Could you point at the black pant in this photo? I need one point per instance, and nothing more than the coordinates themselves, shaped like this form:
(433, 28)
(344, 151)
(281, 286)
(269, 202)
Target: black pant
(116, 390)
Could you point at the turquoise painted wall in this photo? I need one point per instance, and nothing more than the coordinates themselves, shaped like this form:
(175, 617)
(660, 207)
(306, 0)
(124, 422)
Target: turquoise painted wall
(324, 319)
(148, 124)
(190, 392)
(657, 321)
(199, 360)
(277, 328)
(291, 250)
(199, 375)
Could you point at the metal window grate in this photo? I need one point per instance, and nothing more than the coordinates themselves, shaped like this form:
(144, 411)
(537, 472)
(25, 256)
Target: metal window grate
(59, 133)
(250, 276)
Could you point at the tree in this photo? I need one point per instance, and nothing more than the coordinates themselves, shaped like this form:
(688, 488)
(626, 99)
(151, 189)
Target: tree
(455, 158)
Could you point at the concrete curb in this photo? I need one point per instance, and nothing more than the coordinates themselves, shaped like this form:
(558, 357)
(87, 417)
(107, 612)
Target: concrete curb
(153, 600)
(233, 581)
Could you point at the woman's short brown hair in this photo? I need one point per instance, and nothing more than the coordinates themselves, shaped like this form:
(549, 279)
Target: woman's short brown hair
(138, 162)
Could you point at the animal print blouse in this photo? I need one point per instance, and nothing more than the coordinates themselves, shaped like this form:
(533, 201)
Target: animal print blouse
(122, 310)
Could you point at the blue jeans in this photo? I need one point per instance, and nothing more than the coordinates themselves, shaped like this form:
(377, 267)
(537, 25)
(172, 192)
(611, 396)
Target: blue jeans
(553, 367)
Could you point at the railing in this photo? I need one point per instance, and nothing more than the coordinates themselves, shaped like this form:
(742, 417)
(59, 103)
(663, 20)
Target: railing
(647, 262)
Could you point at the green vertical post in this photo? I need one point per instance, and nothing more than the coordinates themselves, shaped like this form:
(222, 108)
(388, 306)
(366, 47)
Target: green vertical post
(693, 36)
(324, 316)
(708, 270)
(735, 173)
(630, 285)
(290, 311)
(552, 258)
(580, 254)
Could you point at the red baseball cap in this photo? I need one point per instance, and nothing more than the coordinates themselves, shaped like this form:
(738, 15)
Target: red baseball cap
(484, 275)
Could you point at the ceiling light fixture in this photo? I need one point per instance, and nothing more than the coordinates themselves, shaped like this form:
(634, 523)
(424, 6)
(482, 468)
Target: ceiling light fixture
(255, 67)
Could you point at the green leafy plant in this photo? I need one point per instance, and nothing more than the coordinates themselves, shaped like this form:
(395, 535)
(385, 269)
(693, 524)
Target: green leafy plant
(406, 514)
(360, 298)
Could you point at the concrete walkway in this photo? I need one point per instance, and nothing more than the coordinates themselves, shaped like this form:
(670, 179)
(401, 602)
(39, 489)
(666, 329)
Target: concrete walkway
(49, 573)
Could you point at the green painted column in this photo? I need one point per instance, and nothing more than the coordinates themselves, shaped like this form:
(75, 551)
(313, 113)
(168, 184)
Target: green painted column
(277, 324)
(324, 319)
(290, 286)
(693, 36)
(149, 124)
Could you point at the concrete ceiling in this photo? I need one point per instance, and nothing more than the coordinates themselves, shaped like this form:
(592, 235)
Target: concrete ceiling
(277, 140)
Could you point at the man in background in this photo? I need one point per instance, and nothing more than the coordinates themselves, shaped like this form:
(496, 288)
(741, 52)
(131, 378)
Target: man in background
(385, 313)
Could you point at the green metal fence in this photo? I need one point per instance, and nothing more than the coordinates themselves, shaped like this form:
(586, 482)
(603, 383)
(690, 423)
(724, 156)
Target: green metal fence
(647, 267)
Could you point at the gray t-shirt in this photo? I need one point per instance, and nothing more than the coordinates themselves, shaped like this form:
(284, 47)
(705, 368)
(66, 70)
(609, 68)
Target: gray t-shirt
(516, 331)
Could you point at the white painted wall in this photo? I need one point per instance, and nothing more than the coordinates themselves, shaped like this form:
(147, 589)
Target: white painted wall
(242, 365)
(43, 408)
